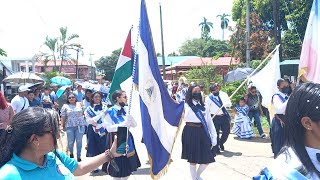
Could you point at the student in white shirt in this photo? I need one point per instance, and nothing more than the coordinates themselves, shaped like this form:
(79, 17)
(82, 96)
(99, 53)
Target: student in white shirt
(279, 102)
(199, 134)
(221, 119)
(20, 101)
(299, 158)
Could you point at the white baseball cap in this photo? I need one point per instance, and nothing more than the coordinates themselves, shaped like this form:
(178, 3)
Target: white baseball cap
(23, 89)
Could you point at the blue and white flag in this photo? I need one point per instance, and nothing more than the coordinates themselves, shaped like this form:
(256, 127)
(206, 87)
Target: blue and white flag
(160, 115)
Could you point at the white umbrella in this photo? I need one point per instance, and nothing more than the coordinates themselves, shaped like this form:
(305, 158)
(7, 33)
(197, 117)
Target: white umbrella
(23, 78)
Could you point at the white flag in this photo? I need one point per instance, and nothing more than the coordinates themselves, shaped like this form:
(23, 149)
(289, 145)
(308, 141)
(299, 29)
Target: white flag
(266, 79)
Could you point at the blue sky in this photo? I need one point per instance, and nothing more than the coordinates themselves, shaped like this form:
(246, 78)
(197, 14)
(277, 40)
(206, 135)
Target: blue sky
(103, 24)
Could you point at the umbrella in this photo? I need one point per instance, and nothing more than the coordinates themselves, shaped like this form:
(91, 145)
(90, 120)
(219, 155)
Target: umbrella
(61, 81)
(30, 85)
(23, 78)
(237, 75)
(61, 91)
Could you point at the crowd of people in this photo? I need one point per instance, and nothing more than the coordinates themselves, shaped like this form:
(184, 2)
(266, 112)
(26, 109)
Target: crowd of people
(28, 121)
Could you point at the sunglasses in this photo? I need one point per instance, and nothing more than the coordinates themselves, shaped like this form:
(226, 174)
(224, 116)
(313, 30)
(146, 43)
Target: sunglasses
(124, 97)
(72, 97)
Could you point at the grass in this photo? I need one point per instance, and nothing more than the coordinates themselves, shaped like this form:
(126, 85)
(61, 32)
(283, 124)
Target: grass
(265, 126)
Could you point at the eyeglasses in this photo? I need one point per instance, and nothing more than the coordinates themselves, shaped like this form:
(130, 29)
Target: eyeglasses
(72, 97)
(124, 97)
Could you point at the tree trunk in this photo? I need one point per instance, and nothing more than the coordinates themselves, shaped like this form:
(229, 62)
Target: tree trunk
(62, 59)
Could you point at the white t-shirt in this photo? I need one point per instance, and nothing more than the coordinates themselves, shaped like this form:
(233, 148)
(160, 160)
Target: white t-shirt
(19, 103)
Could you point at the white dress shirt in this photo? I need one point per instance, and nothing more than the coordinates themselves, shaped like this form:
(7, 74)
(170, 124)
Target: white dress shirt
(19, 103)
(279, 106)
(190, 116)
(213, 108)
(128, 120)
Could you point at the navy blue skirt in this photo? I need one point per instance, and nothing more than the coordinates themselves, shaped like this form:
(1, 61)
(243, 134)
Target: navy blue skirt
(276, 136)
(96, 143)
(127, 165)
(196, 146)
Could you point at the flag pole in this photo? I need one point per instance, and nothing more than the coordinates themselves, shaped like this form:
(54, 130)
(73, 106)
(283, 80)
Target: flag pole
(253, 72)
(134, 52)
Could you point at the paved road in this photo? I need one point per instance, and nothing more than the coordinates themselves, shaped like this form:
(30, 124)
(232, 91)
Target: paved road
(241, 160)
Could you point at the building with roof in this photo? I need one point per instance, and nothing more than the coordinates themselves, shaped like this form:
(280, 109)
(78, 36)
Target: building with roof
(68, 68)
(174, 71)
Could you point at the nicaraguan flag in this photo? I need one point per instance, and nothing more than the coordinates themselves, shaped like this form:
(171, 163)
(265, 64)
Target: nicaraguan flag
(160, 115)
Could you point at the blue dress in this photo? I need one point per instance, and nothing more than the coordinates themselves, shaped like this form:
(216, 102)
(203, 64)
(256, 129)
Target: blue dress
(242, 124)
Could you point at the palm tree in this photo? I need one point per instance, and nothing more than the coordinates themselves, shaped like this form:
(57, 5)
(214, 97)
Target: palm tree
(224, 22)
(2, 52)
(65, 44)
(206, 26)
(51, 43)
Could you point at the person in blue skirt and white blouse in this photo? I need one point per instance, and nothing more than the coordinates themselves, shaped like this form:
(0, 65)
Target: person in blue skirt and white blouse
(199, 135)
(117, 116)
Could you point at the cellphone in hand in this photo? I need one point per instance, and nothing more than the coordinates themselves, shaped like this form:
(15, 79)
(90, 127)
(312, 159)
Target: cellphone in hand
(122, 136)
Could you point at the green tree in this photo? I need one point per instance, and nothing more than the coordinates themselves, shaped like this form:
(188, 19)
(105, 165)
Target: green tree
(173, 54)
(201, 47)
(224, 22)
(107, 64)
(65, 43)
(206, 26)
(2, 52)
(51, 43)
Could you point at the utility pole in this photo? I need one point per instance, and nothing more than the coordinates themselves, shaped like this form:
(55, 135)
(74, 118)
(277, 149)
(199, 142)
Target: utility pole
(91, 68)
(77, 65)
(277, 28)
(162, 44)
(248, 33)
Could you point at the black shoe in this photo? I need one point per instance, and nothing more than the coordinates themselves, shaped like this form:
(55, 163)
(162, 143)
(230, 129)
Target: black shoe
(221, 147)
(71, 156)
(79, 159)
(218, 152)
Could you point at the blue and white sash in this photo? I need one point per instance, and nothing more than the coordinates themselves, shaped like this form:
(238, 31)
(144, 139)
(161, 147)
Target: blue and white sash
(202, 119)
(267, 175)
(281, 98)
(118, 120)
(242, 110)
(219, 106)
(91, 113)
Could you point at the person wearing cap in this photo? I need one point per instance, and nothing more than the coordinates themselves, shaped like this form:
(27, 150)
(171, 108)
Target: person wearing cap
(20, 101)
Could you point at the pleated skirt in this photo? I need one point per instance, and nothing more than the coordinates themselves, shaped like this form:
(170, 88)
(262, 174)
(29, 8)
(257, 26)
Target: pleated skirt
(242, 127)
(276, 136)
(96, 143)
(196, 146)
(127, 165)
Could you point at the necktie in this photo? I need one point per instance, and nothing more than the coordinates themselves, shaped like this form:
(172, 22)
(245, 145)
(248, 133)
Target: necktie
(318, 156)
(121, 112)
(286, 98)
(200, 107)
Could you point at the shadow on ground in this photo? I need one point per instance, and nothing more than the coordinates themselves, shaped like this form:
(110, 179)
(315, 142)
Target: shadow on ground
(254, 139)
(230, 154)
(142, 171)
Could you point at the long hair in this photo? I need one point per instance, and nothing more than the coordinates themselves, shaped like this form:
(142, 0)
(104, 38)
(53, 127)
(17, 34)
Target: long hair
(304, 102)
(34, 120)
(92, 95)
(3, 101)
(189, 97)
(87, 91)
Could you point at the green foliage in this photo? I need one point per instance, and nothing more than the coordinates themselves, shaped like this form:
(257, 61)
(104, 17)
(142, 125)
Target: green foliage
(206, 26)
(107, 64)
(203, 75)
(2, 52)
(48, 75)
(291, 45)
(203, 48)
(231, 87)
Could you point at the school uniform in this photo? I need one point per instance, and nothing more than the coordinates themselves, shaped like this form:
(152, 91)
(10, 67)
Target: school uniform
(222, 118)
(96, 135)
(199, 135)
(118, 116)
(279, 102)
(288, 166)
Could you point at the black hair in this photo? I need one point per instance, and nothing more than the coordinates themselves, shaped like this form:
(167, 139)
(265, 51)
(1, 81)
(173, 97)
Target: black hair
(252, 88)
(189, 97)
(92, 95)
(90, 91)
(29, 92)
(304, 102)
(280, 81)
(71, 93)
(242, 99)
(116, 94)
(213, 87)
(33, 120)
